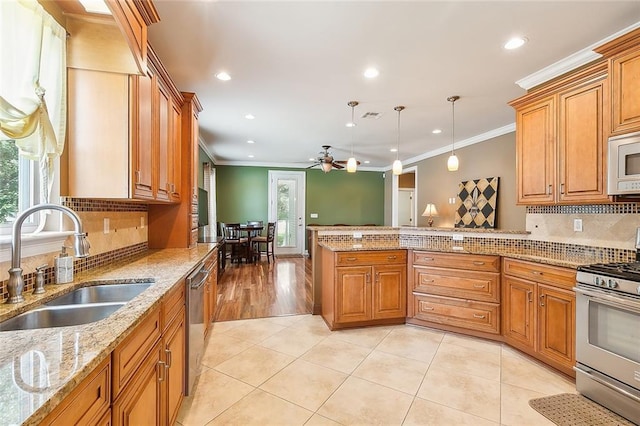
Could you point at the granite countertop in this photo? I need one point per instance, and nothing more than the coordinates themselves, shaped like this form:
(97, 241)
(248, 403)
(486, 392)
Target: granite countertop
(39, 368)
(369, 246)
(413, 229)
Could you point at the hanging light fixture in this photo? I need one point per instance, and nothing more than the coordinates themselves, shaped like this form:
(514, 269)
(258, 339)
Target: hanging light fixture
(397, 165)
(452, 162)
(352, 164)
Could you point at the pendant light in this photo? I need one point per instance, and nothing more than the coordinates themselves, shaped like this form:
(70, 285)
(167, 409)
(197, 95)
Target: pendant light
(452, 162)
(352, 164)
(397, 165)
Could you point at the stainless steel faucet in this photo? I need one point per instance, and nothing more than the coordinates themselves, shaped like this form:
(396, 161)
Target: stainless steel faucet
(80, 245)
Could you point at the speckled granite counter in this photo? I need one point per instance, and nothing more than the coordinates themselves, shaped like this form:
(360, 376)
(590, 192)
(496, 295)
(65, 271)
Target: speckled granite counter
(38, 368)
(395, 246)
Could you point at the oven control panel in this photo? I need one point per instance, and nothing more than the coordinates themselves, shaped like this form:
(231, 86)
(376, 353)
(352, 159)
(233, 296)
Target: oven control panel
(614, 284)
(605, 282)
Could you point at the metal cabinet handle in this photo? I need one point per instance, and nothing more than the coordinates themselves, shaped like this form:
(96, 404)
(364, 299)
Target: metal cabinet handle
(161, 371)
(478, 285)
(428, 259)
(530, 296)
(477, 262)
(428, 308)
(562, 188)
(137, 176)
(167, 352)
(368, 278)
(479, 316)
(424, 281)
(550, 190)
(542, 300)
(377, 277)
(392, 257)
(536, 272)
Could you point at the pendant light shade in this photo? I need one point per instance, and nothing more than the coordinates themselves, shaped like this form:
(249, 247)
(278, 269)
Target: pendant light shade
(352, 164)
(452, 162)
(397, 165)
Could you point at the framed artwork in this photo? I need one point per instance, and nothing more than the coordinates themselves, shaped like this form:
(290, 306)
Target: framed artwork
(477, 203)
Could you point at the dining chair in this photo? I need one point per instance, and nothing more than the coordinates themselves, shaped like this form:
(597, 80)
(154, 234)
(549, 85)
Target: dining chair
(255, 223)
(235, 241)
(267, 241)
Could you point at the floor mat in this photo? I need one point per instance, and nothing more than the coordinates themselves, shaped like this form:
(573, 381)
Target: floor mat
(572, 409)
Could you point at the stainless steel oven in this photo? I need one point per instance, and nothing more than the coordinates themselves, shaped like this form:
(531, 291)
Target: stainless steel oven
(608, 336)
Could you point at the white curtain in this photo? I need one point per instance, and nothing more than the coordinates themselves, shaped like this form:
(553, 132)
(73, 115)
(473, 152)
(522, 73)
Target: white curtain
(33, 84)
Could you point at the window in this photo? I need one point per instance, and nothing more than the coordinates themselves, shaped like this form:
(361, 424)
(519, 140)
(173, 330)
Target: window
(19, 185)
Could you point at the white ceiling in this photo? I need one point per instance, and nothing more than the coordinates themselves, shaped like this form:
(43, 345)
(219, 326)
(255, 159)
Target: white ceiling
(295, 65)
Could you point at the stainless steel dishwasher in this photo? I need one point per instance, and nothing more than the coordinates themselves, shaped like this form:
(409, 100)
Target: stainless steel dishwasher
(195, 320)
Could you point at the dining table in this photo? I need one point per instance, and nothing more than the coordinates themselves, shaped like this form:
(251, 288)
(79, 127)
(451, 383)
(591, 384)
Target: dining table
(252, 230)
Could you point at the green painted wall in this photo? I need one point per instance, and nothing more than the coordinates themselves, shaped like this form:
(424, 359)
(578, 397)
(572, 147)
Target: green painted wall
(337, 197)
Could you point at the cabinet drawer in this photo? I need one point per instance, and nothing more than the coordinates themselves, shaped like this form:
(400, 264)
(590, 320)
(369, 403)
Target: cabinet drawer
(484, 286)
(478, 316)
(470, 262)
(128, 356)
(546, 274)
(88, 403)
(172, 304)
(349, 258)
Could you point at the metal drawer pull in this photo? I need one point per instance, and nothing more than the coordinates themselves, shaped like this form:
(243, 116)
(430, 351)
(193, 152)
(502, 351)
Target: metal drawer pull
(477, 262)
(428, 259)
(428, 308)
(392, 257)
(478, 286)
(479, 316)
(428, 281)
(536, 272)
(351, 259)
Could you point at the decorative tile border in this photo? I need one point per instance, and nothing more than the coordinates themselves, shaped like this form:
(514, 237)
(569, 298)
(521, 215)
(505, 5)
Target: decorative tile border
(617, 208)
(90, 205)
(79, 265)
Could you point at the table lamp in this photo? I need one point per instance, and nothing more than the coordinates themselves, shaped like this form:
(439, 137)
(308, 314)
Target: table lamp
(430, 212)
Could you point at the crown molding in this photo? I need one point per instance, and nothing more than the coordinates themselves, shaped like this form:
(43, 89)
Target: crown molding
(571, 62)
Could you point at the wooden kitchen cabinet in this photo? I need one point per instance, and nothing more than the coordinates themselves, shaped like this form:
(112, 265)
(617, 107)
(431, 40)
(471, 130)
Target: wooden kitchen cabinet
(561, 134)
(623, 56)
(174, 364)
(364, 288)
(88, 403)
(539, 312)
(455, 291)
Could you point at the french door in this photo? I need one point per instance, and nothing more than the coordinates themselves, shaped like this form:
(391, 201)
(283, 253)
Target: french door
(287, 209)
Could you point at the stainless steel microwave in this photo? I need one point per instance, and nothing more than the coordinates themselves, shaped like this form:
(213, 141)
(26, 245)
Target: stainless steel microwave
(624, 164)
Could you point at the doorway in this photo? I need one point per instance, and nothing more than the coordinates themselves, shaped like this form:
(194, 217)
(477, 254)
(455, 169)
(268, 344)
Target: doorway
(287, 209)
(404, 193)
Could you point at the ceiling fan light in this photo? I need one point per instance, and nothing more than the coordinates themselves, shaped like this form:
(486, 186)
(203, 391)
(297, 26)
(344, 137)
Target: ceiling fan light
(326, 167)
(397, 167)
(452, 163)
(352, 165)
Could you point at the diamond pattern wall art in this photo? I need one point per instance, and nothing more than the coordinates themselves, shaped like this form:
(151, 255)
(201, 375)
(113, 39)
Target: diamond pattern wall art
(477, 203)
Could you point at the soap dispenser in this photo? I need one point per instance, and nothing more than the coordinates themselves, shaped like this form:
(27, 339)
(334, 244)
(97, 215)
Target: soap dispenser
(64, 267)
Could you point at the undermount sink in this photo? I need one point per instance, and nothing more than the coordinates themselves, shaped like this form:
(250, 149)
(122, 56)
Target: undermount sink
(104, 293)
(80, 306)
(60, 316)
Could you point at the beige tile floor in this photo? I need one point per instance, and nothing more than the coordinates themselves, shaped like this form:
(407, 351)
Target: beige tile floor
(294, 371)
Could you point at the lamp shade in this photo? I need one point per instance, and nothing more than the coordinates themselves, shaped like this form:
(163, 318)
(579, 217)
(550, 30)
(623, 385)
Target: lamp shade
(397, 167)
(452, 163)
(352, 165)
(326, 167)
(430, 210)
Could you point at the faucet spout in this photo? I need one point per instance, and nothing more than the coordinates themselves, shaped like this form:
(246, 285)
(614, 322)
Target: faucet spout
(81, 246)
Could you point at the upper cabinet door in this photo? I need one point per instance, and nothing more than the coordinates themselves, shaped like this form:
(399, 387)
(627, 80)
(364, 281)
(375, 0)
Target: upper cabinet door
(142, 134)
(165, 149)
(582, 148)
(535, 152)
(625, 99)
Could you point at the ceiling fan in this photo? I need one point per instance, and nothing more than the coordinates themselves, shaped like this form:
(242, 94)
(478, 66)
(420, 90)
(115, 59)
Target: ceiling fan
(326, 162)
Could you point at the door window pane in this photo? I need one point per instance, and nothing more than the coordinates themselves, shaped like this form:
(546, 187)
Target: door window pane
(287, 213)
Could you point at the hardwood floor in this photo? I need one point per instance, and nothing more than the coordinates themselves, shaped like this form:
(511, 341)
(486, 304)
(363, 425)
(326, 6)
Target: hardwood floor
(264, 289)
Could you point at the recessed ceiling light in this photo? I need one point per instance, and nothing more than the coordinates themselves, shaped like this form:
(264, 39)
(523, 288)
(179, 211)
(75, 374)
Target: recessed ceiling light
(366, 161)
(249, 116)
(250, 141)
(223, 76)
(95, 6)
(371, 72)
(312, 159)
(394, 150)
(515, 42)
(436, 131)
(250, 155)
(351, 124)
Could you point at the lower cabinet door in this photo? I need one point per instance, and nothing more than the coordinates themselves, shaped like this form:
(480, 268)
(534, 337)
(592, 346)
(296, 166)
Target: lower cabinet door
(389, 291)
(518, 311)
(140, 401)
(556, 331)
(353, 294)
(174, 341)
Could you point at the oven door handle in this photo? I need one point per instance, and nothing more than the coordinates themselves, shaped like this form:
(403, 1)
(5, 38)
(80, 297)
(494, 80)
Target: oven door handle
(607, 384)
(609, 299)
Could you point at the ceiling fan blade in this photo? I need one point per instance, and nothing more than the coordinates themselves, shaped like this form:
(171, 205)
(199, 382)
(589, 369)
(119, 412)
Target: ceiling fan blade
(337, 166)
(345, 162)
